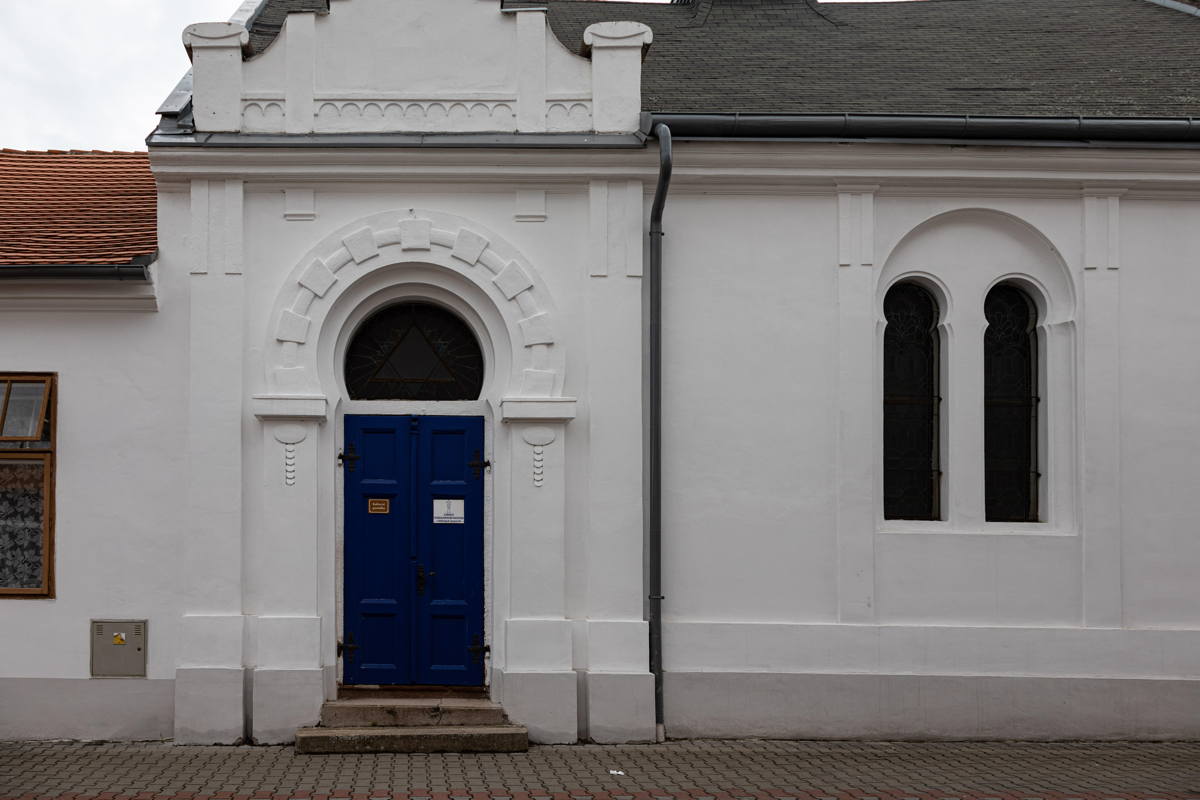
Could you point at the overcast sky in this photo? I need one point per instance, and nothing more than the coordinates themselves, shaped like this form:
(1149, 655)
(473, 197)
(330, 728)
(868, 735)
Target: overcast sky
(88, 74)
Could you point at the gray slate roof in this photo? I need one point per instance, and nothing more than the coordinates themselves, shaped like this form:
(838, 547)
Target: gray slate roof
(1092, 58)
(268, 21)
(1040, 58)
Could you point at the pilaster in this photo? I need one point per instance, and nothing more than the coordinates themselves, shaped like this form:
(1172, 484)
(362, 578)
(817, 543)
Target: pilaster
(209, 695)
(1101, 409)
(858, 417)
(531, 70)
(301, 38)
(620, 689)
(539, 682)
(287, 685)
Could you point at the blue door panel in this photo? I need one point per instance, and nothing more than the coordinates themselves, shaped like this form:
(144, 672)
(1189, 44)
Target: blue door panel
(414, 587)
(377, 551)
(449, 615)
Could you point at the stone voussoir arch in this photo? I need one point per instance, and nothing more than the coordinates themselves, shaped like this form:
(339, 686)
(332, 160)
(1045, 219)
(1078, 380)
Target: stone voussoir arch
(388, 240)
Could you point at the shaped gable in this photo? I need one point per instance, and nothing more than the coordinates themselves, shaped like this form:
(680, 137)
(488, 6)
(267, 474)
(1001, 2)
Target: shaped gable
(421, 66)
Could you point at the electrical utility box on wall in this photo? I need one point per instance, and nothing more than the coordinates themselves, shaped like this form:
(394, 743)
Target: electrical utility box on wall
(118, 648)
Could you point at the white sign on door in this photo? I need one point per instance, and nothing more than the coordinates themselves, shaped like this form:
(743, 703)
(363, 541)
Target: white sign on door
(449, 512)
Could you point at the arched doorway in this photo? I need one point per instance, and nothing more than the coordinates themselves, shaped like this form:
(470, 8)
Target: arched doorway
(414, 503)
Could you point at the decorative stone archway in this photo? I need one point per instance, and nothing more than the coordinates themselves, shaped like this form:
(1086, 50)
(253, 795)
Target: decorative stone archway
(390, 238)
(532, 670)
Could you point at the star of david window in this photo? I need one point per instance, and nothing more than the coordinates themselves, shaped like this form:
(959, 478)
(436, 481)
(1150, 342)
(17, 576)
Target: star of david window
(414, 351)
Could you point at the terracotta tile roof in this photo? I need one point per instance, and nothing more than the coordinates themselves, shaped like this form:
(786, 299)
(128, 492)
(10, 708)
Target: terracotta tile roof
(76, 207)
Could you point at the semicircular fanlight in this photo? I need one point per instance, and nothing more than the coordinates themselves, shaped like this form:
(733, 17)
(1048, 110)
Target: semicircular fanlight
(414, 351)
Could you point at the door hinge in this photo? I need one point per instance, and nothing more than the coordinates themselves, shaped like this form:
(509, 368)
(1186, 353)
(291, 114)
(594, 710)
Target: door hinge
(478, 651)
(478, 464)
(346, 649)
(348, 458)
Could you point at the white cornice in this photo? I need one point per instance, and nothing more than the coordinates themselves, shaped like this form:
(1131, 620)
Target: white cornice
(795, 166)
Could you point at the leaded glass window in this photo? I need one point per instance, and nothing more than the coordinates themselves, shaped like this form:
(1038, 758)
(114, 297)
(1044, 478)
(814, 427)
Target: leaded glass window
(26, 481)
(414, 351)
(911, 403)
(1010, 413)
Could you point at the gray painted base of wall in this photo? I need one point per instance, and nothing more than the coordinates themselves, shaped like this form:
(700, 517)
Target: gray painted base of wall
(284, 700)
(809, 706)
(544, 702)
(82, 708)
(620, 707)
(698, 705)
(210, 705)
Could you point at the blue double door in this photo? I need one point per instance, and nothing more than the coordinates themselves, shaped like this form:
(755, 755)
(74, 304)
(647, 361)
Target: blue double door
(413, 587)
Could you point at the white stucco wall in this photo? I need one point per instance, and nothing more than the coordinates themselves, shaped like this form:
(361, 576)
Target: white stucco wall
(779, 595)
(120, 489)
(772, 391)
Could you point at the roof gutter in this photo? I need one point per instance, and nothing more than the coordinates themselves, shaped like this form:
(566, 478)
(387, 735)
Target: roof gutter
(137, 270)
(512, 141)
(1096, 131)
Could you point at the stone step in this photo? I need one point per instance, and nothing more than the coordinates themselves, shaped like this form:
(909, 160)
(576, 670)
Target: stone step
(402, 692)
(367, 712)
(430, 739)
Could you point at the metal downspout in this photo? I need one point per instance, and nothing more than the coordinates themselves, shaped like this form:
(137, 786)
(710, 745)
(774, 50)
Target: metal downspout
(654, 502)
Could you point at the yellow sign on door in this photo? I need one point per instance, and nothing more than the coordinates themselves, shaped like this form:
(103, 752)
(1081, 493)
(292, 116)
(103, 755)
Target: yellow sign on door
(379, 506)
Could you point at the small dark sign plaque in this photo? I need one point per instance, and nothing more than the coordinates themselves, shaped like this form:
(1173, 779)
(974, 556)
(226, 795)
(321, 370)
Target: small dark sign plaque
(379, 506)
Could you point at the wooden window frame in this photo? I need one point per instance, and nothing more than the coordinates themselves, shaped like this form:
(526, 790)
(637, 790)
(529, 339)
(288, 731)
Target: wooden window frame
(8, 380)
(47, 456)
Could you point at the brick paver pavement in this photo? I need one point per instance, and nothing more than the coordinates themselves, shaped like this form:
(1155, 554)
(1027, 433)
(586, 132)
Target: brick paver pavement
(689, 770)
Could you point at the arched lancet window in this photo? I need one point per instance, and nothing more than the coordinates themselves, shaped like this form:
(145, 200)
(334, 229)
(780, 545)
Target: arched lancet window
(414, 351)
(911, 405)
(1010, 411)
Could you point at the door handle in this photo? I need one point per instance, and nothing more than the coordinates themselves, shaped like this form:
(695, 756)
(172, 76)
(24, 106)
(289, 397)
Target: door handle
(421, 575)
